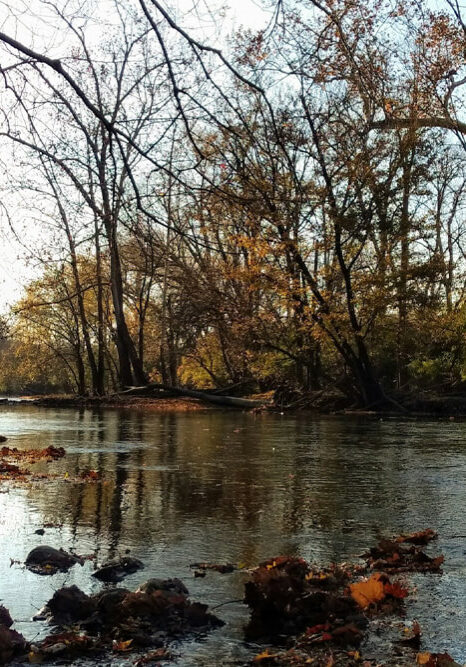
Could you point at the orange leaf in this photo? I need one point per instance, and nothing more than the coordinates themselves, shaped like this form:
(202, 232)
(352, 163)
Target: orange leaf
(395, 590)
(369, 591)
(122, 646)
(422, 537)
(265, 655)
(435, 660)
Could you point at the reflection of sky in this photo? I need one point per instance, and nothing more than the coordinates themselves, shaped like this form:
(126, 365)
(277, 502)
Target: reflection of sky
(238, 488)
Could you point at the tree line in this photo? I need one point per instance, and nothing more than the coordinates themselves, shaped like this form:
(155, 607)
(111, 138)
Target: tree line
(284, 213)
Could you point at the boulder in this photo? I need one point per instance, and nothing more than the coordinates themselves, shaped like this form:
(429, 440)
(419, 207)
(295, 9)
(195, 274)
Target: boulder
(147, 618)
(12, 643)
(5, 618)
(170, 585)
(48, 560)
(69, 605)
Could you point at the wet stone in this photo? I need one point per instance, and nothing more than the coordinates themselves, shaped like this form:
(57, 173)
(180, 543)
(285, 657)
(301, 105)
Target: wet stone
(48, 560)
(69, 605)
(117, 569)
(146, 617)
(5, 618)
(172, 585)
(12, 643)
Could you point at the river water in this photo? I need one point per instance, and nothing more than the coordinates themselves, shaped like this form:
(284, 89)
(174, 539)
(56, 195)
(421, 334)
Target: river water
(234, 487)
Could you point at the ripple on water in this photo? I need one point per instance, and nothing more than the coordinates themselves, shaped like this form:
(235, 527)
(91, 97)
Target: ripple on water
(224, 486)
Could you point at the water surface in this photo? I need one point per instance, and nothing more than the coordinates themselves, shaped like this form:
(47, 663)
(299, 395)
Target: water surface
(230, 486)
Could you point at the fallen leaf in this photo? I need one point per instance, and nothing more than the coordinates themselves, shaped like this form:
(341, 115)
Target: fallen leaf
(369, 591)
(421, 537)
(436, 660)
(395, 590)
(122, 647)
(265, 655)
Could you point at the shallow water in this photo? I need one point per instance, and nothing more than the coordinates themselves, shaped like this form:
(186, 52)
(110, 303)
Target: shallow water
(230, 486)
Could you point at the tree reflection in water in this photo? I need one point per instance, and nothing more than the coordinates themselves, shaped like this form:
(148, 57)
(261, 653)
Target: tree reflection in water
(214, 486)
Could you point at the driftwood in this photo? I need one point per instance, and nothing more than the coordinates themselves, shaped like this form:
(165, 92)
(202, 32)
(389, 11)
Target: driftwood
(216, 399)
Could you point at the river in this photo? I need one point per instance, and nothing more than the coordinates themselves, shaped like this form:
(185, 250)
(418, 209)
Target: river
(230, 486)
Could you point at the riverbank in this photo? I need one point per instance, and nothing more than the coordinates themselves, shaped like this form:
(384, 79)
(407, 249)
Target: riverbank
(121, 402)
(157, 401)
(324, 403)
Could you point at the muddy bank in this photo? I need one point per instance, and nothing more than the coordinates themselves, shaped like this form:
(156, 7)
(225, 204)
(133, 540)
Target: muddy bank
(120, 402)
(162, 398)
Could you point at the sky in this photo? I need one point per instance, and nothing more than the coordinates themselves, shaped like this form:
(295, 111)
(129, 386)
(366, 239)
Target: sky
(15, 269)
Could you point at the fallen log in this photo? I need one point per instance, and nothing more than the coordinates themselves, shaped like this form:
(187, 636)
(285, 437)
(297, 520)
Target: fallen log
(232, 401)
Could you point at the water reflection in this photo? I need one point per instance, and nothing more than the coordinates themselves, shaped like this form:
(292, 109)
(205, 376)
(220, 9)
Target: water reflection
(230, 486)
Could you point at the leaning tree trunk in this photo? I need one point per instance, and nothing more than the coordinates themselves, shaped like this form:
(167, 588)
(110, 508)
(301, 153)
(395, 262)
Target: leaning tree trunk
(231, 401)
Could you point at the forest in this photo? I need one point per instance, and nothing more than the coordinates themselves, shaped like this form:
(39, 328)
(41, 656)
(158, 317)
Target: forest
(282, 213)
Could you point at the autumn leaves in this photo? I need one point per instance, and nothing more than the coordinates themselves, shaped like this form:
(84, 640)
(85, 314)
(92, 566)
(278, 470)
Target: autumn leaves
(325, 614)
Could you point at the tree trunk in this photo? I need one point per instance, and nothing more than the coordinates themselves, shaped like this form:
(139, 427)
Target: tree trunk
(403, 279)
(81, 371)
(127, 354)
(100, 380)
(217, 399)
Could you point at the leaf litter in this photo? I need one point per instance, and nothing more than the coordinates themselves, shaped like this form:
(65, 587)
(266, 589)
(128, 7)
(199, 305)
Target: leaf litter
(309, 615)
(323, 616)
(14, 460)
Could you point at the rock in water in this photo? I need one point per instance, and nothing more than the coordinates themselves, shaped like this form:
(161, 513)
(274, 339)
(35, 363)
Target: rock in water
(117, 569)
(47, 560)
(170, 585)
(11, 642)
(69, 605)
(5, 618)
(145, 618)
